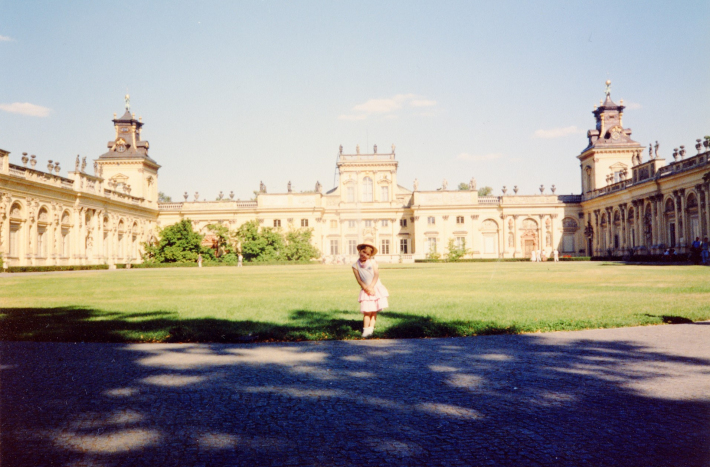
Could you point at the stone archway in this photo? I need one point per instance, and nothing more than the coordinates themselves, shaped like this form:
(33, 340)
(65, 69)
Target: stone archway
(529, 239)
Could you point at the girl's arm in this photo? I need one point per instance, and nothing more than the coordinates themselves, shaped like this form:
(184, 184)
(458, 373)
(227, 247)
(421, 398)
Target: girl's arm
(376, 277)
(364, 287)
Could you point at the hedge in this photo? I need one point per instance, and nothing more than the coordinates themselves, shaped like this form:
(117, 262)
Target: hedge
(496, 260)
(56, 268)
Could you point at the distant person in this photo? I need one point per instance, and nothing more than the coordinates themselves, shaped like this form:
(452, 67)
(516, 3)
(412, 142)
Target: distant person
(373, 295)
(704, 253)
(556, 255)
(695, 249)
(199, 260)
(240, 260)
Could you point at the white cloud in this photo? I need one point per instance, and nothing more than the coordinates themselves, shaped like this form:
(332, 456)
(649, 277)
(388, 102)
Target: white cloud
(422, 103)
(388, 107)
(464, 156)
(352, 117)
(6, 39)
(632, 105)
(25, 108)
(557, 132)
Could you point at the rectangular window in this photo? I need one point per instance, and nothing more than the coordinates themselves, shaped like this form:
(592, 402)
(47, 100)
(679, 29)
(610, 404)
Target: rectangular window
(120, 245)
(368, 223)
(459, 219)
(350, 191)
(385, 247)
(304, 222)
(105, 245)
(385, 223)
(333, 224)
(65, 243)
(352, 224)
(403, 246)
(403, 222)
(460, 242)
(489, 243)
(568, 244)
(352, 247)
(385, 193)
(277, 222)
(431, 220)
(40, 244)
(334, 247)
(431, 244)
(367, 190)
(14, 240)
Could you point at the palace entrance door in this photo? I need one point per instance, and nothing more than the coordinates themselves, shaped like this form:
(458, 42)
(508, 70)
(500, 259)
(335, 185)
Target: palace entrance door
(528, 246)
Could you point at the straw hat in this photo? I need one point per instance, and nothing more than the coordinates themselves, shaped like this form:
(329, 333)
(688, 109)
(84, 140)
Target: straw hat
(363, 245)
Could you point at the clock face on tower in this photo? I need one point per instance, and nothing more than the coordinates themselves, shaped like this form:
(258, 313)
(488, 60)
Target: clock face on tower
(615, 133)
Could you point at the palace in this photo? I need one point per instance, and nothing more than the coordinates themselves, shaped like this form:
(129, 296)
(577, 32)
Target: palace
(626, 204)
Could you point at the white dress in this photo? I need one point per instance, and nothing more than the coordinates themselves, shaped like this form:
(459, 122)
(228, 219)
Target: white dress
(370, 303)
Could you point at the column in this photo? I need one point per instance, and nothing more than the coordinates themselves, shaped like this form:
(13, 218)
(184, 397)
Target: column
(517, 250)
(624, 230)
(474, 229)
(553, 242)
(683, 220)
(597, 234)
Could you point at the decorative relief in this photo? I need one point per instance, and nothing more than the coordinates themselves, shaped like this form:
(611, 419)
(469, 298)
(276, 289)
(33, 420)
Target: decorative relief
(489, 224)
(529, 224)
(305, 200)
(569, 224)
(274, 201)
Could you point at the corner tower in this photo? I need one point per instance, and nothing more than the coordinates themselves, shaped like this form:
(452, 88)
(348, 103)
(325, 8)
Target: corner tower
(127, 166)
(611, 151)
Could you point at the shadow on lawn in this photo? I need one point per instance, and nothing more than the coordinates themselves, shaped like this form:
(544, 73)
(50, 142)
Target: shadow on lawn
(79, 324)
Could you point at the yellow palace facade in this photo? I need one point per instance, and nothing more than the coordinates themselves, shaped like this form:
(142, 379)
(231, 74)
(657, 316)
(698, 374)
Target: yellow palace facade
(626, 204)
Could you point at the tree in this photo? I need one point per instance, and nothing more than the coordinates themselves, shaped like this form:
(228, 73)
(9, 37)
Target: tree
(455, 252)
(178, 243)
(298, 245)
(225, 239)
(163, 198)
(265, 244)
(485, 191)
(463, 186)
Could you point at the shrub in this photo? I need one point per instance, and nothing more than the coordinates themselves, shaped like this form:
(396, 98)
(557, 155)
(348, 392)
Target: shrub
(56, 268)
(178, 244)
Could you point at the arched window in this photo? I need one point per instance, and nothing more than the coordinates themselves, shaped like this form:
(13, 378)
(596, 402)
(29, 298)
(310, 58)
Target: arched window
(367, 190)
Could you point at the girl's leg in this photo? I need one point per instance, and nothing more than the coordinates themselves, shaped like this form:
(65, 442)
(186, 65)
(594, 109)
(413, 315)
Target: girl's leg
(368, 324)
(368, 319)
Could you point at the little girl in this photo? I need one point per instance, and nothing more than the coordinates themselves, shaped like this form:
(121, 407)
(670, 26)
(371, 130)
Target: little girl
(373, 296)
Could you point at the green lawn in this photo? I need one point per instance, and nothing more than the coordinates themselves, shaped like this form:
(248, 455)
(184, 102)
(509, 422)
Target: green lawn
(261, 303)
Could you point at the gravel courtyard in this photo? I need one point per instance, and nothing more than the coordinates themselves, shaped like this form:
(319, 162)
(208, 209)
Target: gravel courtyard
(614, 397)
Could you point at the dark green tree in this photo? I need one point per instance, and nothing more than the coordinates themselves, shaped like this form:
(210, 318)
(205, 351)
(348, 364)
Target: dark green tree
(265, 244)
(163, 198)
(178, 243)
(463, 186)
(298, 245)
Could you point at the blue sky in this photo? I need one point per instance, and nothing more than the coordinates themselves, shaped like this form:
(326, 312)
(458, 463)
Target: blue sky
(234, 93)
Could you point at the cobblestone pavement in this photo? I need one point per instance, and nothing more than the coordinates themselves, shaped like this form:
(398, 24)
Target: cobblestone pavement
(617, 397)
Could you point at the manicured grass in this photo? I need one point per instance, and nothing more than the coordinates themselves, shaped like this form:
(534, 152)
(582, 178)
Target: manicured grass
(319, 302)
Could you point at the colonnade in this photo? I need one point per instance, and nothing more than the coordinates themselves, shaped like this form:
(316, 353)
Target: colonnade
(646, 223)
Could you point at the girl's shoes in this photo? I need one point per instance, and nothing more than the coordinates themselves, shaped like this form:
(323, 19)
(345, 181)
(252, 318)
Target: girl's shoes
(367, 332)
